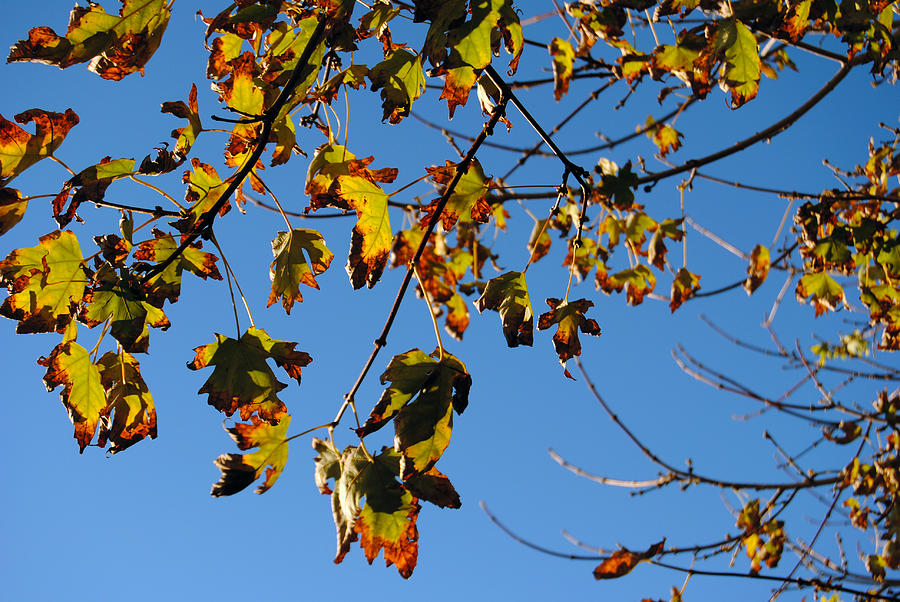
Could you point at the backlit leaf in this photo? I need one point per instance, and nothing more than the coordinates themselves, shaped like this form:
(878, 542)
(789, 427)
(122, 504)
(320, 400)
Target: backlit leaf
(401, 81)
(337, 178)
(131, 414)
(12, 209)
(44, 283)
(822, 291)
(569, 317)
(291, 267)
(19, 150)
(508, 295)
(758, 268)
(205, 187)
(116, 46)
(69, 365)
(684, 286)
(240, 470)
(369, 504)
(166, 285)
(129, 315)
(91, 185)
(467, 202)
(434, 487)
(563, 65)
(187, 135)
(741, 61)
(242, 379)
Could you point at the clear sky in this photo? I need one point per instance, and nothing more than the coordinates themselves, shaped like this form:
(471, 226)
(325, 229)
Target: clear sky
(141, 525)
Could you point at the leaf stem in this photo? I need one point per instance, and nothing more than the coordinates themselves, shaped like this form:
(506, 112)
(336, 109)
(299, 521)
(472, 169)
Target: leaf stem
(160, 191)
(431, 314)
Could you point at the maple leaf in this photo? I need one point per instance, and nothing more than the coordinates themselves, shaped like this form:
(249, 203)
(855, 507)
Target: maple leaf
(241, 379)
(508, 295)
(433, 486)
(205, 187)
(401, 81)
(684, 286)
(388, 522)
(467, 202)
(622, 561)
(69, 365)
(242, 95)
(291, 267)
(166, 285)
(133, 414)
(19, 150)
(569, 315)
(121, 303)
(353, 76)
(284, 46)
(638, 282)
(822, 290)
(656, 252)
(758, 268)
(240, 470)
(337, 178)
(184, 136)
(422, 425)
(91, 184)
(115, 46)
(618, 186)
(44, 283)
(666, 138)
(458, 48)
(369, 504)
(12, 209)
(563, 56)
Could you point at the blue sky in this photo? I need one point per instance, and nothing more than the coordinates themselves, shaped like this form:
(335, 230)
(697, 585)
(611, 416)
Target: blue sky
(142, 526)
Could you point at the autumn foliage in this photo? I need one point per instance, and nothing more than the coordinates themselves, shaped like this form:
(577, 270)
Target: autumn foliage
(277, 69)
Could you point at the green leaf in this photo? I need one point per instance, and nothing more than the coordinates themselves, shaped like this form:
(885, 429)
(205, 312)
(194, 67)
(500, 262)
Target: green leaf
(240, 470)
(467, 202)
(44, 283)
(91, 184)
(205, 187)
(508, 295)
(242, 379)
(822, 291)
(370, 504)
(132, 414)
(166, 285)
(337, 178)
(741, 60)
(569, 317)
(123, 306)
(401, 81)
(116, 46)
(420, 399)
(291, 267)
(69, 365)
(370, 241)
(407, 372)
(19, 150)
